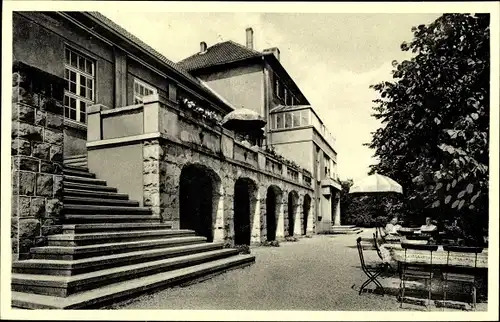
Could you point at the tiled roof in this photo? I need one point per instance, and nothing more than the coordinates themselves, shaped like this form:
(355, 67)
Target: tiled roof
(120, 30)
(220, 53)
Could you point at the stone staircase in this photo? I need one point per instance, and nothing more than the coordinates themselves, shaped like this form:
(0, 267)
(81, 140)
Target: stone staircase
(111, 249)
(347, 229)
(76, 160)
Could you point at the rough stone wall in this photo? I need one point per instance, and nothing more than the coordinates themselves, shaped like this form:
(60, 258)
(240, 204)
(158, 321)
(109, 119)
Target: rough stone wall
(163, 163)
(36, 155)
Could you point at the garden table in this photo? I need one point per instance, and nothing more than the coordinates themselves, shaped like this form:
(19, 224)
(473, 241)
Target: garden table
(397, 254)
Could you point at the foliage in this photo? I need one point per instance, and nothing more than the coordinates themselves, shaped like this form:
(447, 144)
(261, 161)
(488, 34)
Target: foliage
(291, 239)
(366, 210)
(282, 159)
(272, 243)
(435, 115)
(199, 110)
(242, 249)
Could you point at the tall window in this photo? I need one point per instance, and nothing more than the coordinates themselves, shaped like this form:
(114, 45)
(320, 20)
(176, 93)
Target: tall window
(286, 96)
(279, 121)
(277, 86)
(79, 72)
(142, 89)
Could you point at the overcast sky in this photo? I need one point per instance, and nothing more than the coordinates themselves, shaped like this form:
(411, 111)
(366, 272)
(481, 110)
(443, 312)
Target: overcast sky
(332, 57)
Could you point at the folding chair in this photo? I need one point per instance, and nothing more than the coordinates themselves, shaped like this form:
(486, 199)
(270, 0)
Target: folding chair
(414, 271)
(459, 274)
(371, 272)
(379, 233)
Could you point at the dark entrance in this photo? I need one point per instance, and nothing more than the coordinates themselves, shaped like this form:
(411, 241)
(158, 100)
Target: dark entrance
(244, 190)
(306, 207)
(196, 193)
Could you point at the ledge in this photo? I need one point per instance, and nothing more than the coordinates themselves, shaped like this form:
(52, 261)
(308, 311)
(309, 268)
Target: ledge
(75, 125)
(120, 110)
(123, 140)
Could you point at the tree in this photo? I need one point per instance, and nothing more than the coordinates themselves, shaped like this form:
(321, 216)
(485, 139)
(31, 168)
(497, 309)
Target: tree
(435, 117)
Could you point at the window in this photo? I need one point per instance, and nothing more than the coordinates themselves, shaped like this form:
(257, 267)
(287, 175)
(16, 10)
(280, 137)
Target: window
(296, 118)
(285, 95)
(79, 72)
(279, 121)
(288, 120)
(305, 117)
(277, 87)
(292, 100)
(142, 89)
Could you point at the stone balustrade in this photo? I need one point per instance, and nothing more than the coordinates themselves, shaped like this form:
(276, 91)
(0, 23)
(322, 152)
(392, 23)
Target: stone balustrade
(161, 116)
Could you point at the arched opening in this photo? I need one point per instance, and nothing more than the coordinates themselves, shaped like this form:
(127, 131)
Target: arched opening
(244, 207)
(293, 198)
(306, 207)
(198, 196)
(273, 199)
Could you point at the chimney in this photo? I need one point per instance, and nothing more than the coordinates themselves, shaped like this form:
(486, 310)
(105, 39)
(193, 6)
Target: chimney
(249, 32)
(203, 47)
(274, 50)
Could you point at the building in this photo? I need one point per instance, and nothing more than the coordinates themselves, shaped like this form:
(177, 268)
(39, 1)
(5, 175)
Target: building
(258, 81)
(122, 169)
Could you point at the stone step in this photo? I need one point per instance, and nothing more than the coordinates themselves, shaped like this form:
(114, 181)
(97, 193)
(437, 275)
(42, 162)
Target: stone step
(109, 218)
(91, 187)
(99, 201)
(77, 163)
(114, 292)
(87, 228)
(78, 173)
(84, 180)
(63, 286)
(85, 209)
(94, 194)
(114, 236)
(91, 264)
(80, 252)
(72, 167)
(77, 156)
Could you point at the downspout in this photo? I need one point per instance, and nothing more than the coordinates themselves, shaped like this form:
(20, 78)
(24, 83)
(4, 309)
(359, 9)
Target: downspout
(265, 101)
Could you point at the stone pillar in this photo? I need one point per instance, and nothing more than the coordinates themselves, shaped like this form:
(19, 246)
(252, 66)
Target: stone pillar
(152, 155)
(280, 227)
(298, 217)
(310, 220)
(36, 155)
(255, 217)
(336, 209)
(219, 214)
(263, 213)
(228, 210)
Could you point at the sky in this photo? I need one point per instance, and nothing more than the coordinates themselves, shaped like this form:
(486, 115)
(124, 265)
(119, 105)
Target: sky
(333, 58)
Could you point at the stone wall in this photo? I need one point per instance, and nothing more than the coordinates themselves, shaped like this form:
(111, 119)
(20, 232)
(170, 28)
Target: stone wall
(37, 155)
(163, 164)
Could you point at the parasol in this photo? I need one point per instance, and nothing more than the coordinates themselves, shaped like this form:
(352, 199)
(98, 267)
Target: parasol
(376, 183)
(243, 120)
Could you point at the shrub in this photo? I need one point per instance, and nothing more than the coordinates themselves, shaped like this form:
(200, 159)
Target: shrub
(272, 243)
(291, 238)
(243, 249)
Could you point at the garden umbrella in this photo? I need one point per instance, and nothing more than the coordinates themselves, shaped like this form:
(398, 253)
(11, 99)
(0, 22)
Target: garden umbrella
(243, 120)
(376, 183)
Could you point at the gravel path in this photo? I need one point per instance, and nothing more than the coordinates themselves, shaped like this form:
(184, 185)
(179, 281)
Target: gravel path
(312, 274)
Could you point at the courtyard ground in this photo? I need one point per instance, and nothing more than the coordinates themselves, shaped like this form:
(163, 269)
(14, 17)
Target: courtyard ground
(320, 273)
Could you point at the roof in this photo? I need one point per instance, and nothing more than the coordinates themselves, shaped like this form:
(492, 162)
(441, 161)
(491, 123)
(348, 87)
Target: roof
(124, 33)
(218, 54)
